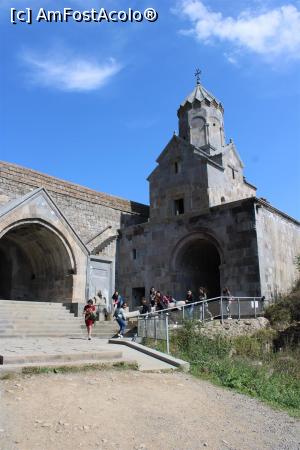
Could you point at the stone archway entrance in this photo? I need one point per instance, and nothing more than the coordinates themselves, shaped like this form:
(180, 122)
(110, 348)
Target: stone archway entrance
(197, 263)
(35, 264)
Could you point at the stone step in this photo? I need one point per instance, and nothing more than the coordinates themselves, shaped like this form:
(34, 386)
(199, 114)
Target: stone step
(42, 320)
(55, 324)
(11, 369)
(102, 326)
(30, 325)
(75, 356)
(37, 319)
(34, 315)
(29, 302)
(42, 330)
(8, 304)
(54, 308)
(53, 333)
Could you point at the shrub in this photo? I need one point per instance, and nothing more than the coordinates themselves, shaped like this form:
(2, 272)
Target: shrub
(285, 310)
(257, 346)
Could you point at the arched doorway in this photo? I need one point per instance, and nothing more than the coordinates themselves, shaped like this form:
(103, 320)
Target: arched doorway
(35, 264)
(197, 263)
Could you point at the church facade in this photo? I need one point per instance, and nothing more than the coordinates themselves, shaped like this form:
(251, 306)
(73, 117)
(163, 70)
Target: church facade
(204, 226)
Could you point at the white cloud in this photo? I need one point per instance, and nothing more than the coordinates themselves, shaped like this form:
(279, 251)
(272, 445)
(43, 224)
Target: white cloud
(69, 73)
(270, 33)
(231, 58)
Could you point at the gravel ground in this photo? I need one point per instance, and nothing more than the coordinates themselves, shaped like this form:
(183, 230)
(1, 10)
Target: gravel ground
(133, 410)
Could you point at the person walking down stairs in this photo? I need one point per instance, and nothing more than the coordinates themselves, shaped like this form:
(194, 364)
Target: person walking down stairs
(120, 317)
(89, 317)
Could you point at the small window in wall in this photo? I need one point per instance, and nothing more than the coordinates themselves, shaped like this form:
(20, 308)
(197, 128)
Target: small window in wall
(134, 253)
(222, 199)
(179, 207)
(233, 173)
(177, 166)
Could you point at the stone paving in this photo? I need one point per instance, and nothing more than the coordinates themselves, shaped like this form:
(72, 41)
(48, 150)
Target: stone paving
(75, 346)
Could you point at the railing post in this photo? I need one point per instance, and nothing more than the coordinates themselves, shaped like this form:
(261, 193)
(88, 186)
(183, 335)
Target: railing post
(155, 328)
(183, 312)
(167, 333)
(203, 318)
(221, 306)
(239, 307)
(255, 307)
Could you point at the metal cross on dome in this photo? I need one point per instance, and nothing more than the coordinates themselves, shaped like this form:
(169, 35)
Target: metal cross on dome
(197, 75)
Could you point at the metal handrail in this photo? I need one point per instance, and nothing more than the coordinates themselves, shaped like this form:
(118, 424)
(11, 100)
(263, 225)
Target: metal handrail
(209, 300)
(164, 313)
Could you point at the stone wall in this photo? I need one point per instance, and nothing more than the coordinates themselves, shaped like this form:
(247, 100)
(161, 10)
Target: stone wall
(199, 179)
(188, 183)
(230, 228)
(228, 185)
(278, 239)
(88, 211)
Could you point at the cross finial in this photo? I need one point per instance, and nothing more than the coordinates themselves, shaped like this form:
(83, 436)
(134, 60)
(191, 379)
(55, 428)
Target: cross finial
(197, 75)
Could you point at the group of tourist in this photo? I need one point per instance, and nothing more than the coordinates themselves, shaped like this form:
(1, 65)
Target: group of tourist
(157, 302)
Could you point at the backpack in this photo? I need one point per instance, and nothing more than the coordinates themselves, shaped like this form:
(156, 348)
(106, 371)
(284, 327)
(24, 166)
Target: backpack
(118, 314)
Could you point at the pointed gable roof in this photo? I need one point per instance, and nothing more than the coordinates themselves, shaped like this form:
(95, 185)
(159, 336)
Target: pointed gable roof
(36, 196)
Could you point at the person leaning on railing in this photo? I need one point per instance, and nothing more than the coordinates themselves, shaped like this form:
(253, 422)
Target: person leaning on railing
(159, 304)
(204, 308)
(189, 300)
(227, 299)
(144, 309)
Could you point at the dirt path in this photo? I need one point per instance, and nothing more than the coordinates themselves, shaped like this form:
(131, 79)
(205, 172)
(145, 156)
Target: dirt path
(132, 410)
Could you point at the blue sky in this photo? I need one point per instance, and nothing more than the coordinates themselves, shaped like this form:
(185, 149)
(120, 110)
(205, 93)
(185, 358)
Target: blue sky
(96, 103)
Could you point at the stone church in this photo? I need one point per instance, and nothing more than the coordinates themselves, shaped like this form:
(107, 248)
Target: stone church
(205, 226)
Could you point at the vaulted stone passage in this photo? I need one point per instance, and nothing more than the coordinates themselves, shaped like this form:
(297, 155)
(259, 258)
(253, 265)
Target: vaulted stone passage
(198, 265)
(35, 265)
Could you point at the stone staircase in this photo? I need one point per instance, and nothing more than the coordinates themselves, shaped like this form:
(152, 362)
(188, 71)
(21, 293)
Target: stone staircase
(30, 319)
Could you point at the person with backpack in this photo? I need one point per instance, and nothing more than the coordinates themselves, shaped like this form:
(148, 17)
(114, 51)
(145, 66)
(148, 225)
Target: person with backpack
(120, 317)
(117, 300)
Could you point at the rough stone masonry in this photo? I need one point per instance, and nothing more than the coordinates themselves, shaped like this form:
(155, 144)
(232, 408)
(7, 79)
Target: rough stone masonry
(205, 226)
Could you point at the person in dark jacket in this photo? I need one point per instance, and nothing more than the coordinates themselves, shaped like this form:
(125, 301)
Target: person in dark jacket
(152, 296)
(145, 307)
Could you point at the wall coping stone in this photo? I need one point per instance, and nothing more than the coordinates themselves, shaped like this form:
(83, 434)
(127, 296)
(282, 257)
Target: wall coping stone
(37, 179)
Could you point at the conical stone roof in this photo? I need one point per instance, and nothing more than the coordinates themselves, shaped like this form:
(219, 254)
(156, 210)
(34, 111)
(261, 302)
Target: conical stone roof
(200, 93)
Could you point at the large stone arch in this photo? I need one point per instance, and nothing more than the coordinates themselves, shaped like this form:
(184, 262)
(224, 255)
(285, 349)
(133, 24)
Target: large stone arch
(41, 256)
(196, 261)
(36, 263)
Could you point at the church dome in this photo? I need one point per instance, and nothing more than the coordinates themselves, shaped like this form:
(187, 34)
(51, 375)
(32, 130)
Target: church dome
(200, 93)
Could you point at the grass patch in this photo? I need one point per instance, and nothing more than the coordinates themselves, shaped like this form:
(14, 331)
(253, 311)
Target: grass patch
(246, 364)
(8, 376)
(37, 370)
